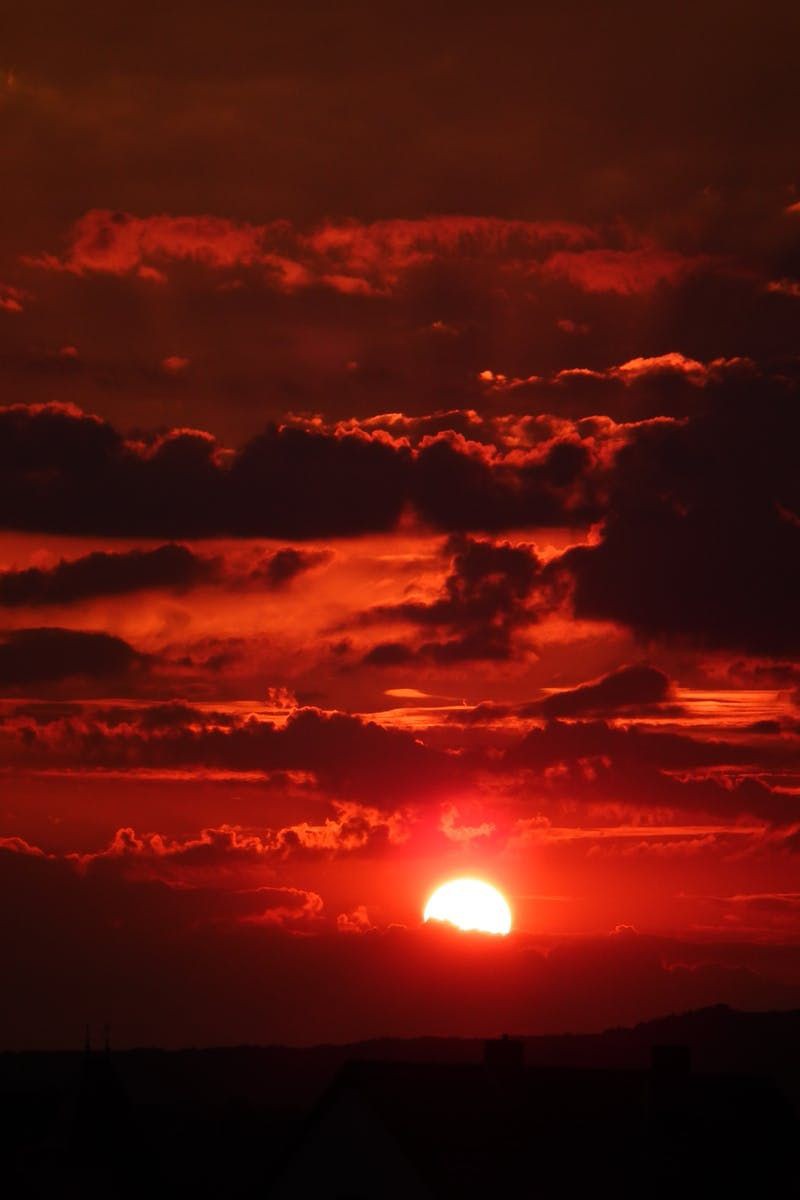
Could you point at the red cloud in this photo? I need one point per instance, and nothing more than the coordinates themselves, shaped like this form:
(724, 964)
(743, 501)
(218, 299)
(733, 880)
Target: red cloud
(383, 249)
(658, 367)
(356, 921)
(175, 364)
(11, 298)
(362, 258)
(355, 258)
(674, 363)
(119, 243)
(626, 272)
(229, 857)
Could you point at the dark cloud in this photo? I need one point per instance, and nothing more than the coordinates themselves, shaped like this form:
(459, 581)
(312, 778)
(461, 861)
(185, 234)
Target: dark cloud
(702, 536)
(97, 894)
(105, 573)
(462, 128)
(279, 569)
(67, 472)
(389, 654)
(172, 715)
(637, 690)
(573, 741)
(628, 689)
(300, 272)
(584, 763)
(171, 567)
(456, 490)
(486, 599)
(348, 755)
(595, 763)
(700, 515)
(296, 482)
(47, 655)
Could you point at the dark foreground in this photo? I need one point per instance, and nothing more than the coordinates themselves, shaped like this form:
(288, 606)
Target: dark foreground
(705, 1103)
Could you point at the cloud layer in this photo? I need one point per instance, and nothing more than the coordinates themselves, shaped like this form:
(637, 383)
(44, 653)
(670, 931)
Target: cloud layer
(398, 481)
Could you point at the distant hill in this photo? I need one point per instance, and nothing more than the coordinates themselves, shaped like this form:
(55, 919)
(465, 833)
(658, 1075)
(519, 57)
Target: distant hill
(291, 1078)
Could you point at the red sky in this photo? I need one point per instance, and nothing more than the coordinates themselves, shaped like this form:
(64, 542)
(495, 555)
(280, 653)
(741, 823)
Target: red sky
(398, 480)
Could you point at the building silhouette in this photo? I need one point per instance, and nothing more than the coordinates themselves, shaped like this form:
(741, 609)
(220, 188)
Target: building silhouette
(503, 1129)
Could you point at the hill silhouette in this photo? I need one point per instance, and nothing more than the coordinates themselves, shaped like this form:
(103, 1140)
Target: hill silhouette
(225, 1101)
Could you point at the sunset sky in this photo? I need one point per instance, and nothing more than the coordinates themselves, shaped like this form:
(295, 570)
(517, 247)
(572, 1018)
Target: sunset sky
(398, 481)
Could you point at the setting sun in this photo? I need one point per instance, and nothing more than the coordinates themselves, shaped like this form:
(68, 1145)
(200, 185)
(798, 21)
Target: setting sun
(470, 904)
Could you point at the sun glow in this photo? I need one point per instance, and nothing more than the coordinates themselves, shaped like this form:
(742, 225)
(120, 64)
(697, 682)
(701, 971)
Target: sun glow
(470, 904)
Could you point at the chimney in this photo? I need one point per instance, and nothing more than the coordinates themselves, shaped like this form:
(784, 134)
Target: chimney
(504, 1054)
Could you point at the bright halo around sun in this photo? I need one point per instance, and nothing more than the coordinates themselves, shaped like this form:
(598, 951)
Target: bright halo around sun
(470, 904)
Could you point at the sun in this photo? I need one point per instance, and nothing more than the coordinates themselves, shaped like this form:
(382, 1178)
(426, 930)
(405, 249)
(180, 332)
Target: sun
(470, 904)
